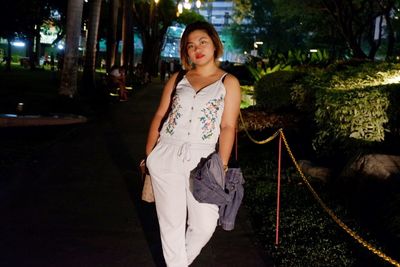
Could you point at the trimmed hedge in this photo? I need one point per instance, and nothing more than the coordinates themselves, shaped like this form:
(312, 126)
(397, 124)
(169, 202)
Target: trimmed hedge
(355, 106)
(356, 110)
(272, 91)
(345, 116)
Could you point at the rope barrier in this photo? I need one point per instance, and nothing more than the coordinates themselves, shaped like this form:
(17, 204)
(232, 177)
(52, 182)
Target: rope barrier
(352, 233)
(269, 139)
(336, 219)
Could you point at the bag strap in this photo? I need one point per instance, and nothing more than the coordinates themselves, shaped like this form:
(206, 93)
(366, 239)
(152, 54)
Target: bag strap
(179, 77)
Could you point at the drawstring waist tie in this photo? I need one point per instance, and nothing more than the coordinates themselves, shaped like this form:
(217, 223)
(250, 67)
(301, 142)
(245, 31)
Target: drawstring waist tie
(185, 147)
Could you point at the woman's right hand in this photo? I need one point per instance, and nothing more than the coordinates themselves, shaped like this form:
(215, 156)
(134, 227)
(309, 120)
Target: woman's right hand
(142, 167)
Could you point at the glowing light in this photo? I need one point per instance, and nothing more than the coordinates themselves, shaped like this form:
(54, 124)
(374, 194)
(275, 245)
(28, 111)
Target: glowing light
(180, 8)
(256, 44)
(313, 50)
(18, 44)
(187, 5)
(60, 46)
(198, 3)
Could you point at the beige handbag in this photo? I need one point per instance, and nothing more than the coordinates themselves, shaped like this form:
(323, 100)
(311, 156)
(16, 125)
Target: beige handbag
(147, 191)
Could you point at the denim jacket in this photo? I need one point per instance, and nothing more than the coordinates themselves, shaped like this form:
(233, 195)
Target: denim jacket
(211, 185)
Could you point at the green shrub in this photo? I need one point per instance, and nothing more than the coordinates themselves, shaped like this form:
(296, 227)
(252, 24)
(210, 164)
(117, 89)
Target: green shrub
(352, 109)
(272, 92)
(355, 106)
(247, 99)
(303, 91)
(346, 116)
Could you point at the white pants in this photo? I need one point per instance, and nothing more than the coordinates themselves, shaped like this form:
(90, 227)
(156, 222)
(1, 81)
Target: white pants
(169, 165)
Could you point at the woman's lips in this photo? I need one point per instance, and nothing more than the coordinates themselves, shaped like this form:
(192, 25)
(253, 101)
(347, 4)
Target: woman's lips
(199, 56)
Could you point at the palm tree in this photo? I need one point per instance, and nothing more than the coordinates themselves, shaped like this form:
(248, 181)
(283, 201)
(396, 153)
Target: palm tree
(127, 36)
(112, 34)
(91, 44)
(68, 86)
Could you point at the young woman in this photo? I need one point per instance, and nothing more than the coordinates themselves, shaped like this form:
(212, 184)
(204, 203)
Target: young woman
(203, 111)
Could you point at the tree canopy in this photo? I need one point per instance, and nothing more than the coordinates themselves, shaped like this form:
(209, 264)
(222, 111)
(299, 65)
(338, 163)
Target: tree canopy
(346, 28)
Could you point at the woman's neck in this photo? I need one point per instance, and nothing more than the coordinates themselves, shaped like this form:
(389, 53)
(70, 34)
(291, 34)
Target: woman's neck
(206, 70)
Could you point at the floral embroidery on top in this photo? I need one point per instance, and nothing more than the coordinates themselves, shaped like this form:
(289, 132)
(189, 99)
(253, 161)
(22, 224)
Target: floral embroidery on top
(174, 115)
(209, 118)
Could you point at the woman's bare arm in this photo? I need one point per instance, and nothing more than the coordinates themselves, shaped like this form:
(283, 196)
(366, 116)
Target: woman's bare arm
(229, 117)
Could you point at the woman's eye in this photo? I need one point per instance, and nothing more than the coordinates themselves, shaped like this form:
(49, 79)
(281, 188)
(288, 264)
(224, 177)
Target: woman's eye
(203, 42)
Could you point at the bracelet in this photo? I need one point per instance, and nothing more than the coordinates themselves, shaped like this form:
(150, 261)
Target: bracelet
(225, 168)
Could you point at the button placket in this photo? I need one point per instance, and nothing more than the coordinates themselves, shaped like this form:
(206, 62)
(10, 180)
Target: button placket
(191, 114)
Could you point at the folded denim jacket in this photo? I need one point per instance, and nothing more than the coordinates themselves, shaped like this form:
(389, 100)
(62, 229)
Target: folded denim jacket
(210, 184)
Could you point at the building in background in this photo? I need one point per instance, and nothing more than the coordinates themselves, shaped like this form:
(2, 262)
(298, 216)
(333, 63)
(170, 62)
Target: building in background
(217, 12)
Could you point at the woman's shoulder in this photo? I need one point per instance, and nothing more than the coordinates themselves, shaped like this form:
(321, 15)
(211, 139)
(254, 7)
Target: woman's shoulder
(230, 79)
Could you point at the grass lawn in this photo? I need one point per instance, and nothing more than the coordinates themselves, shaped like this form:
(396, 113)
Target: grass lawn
(36, 89)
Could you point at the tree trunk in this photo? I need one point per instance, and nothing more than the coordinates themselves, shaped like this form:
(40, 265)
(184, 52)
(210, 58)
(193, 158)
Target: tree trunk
(127, 36)
(151, 53)
(30, 52)
(152, 43)
(355, 47)
(375, 44)
(9, 50)
(91, 45)
(38, 47)
(390, 38)
(69, 75)
(112, 35)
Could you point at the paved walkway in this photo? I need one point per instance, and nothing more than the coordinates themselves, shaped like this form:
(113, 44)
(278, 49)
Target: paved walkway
(73, 200)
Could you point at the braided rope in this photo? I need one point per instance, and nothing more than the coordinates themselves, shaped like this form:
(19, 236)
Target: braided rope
(352, 233)
(336, 219)
(262, 142)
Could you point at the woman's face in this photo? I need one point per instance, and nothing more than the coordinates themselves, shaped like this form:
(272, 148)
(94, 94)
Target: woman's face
(200, 48)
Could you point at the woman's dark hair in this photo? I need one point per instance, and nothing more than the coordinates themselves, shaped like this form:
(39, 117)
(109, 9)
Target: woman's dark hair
(210, 30)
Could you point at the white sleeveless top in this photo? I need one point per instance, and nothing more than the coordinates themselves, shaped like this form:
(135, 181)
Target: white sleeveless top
(195, 117)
